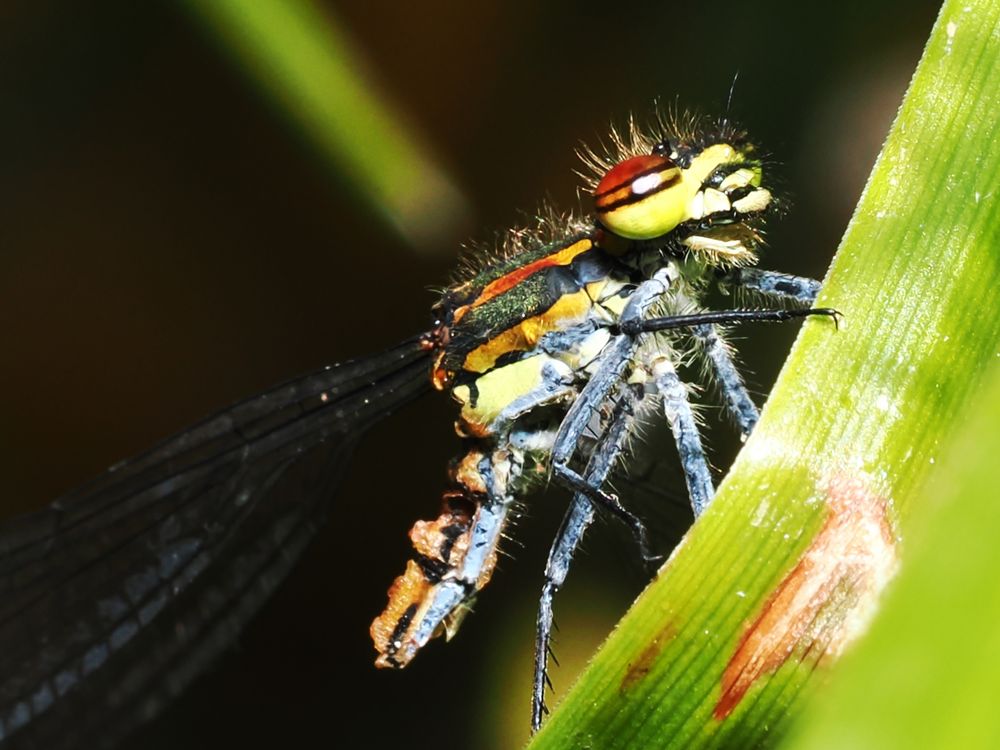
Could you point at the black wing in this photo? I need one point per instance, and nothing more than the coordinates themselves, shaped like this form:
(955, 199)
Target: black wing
(113, 598)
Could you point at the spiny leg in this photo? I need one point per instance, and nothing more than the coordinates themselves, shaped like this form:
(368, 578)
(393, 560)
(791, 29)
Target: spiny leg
(684, 427)
(774, 284)
(611, 365)
(674, 394)
(672, 322)
(578, 484)
(734, 392)
(578, 518)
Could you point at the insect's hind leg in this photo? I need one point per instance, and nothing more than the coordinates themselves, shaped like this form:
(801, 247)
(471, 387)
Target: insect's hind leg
(578, 518)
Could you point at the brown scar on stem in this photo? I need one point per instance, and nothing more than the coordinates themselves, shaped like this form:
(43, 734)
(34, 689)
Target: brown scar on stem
(638, 669)
(827, 599)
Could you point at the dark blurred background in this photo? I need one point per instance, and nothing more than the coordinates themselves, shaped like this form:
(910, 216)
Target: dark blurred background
(171, 242)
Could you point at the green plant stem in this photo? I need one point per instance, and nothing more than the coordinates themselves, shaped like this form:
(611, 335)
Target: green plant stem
(925, 676)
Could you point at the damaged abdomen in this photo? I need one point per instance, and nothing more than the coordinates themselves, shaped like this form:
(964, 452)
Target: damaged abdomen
(454, 557)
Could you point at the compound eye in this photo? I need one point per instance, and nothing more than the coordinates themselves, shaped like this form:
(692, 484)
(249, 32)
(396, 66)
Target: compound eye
(634, 199)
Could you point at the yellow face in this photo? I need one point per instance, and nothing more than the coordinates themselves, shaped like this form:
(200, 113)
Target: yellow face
(645, 197)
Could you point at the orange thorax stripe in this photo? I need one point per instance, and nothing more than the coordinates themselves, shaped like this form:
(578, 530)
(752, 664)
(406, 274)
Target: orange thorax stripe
(562, 257)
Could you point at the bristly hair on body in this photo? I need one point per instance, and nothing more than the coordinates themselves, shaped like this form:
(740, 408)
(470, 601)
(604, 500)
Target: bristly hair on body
(680, 127)
(546, 225)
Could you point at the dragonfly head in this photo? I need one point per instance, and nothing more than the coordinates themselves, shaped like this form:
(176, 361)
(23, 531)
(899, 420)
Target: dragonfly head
(708, 182)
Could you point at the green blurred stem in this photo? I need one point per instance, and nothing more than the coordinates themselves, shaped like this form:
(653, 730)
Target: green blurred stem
(785, 568)
(306, 63)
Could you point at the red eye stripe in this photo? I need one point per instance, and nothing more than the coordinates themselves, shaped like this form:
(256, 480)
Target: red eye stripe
(615, 188)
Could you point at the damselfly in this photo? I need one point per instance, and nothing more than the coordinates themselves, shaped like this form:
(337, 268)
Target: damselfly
(553, 347)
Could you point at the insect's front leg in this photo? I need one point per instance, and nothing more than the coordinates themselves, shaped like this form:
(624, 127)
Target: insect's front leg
(774, 284)
(703, 327)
